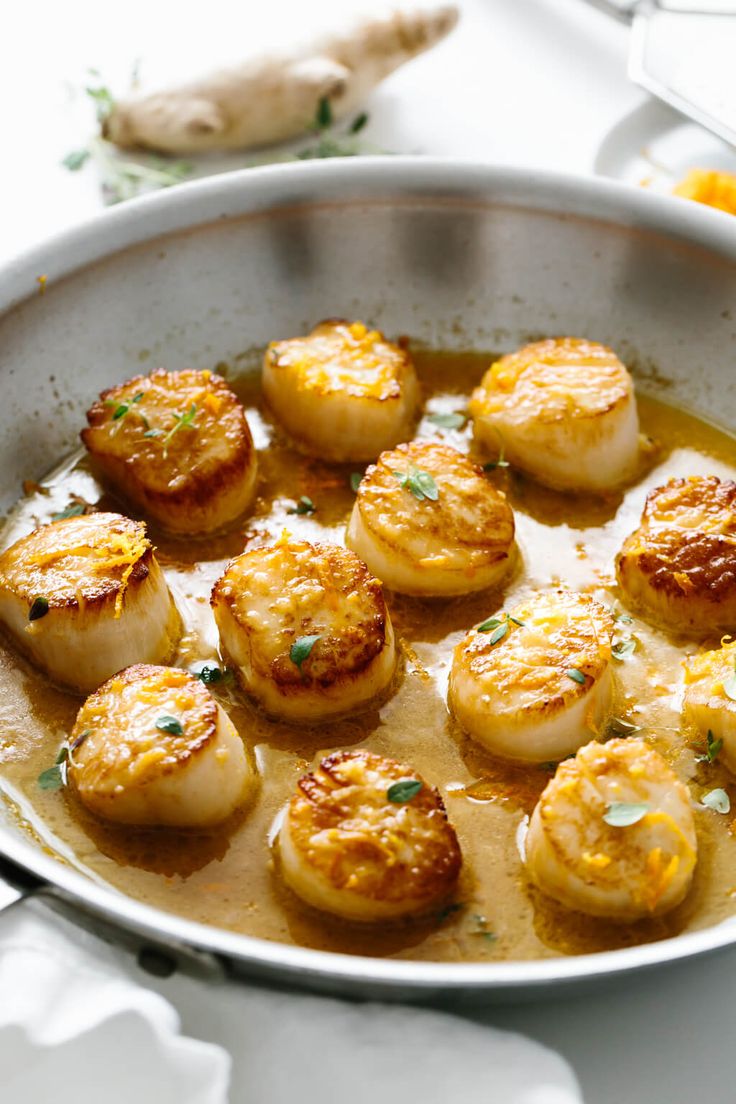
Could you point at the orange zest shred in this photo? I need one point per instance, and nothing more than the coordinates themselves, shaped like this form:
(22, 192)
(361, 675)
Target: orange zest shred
(711, 187)
(122, 551)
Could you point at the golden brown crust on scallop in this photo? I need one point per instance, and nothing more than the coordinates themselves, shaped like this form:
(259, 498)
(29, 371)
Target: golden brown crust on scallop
(80, 563)
(293, 589)
(122, 745)
(178, 477)
(639, 869)
(470, 515)
(601, 382)
(344, 827)
(679, 566)
(339, 356)
(573, 632)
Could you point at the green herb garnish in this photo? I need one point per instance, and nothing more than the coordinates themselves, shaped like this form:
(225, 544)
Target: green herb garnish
(79, 740)
(712, 750)
(498, 633)
(39, 608)
(76, 159)
(123, 408)
(483, 930)
(355, 481)
(576, 676)
(622, 727)
(54, 777)
(170, 724)
(323, 116)
(717, 800)
(301, 649)
(448, 910)
(622, 814)
(210, 673)
(303, 506)
(420, 483)
(623, 648)
(51, 779)
(181, 421)
(103, 100)
(498, 626)
(76, 509)
(330, 144)
(455, 420)
(402, 792)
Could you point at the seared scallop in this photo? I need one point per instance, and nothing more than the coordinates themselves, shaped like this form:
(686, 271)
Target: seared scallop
(342, 392)
(178, 445)
(564, 412)
(152, 746)
(427, 522)
(367, 839)
(307, 628)
(613, 833)
(85, 596)
(709, 704)
(679, 566)
(536, 683)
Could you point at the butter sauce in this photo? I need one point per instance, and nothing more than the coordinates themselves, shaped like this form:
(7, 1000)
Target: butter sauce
(227, 877)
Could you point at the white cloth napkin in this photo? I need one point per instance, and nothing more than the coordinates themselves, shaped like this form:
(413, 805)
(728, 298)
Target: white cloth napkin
(81, 1023)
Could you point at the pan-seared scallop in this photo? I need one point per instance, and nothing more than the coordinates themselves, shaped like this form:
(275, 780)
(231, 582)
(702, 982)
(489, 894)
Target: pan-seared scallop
(152, 746)
(367, 839)
(564, 412)
(85, 596)
(427, 522)
(679, 566)
(342, 392)
(709, 704)
(178, 445)
(536, 683)
(613, 833)
(307, 628)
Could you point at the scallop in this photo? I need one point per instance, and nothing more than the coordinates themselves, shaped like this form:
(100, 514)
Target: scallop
(307, 628)
(613, 833)
(427, 522)
(153, 747)
(535, 683)
(178, 446)
(709, 703)
(679, 567)
(85, 596)
(564, 412)
(342, 392)
(368, 839)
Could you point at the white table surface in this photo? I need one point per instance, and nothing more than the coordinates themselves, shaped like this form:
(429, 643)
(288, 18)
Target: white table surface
(525, 82)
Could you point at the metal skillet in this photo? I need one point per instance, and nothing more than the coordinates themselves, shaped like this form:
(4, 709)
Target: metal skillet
(458, 255)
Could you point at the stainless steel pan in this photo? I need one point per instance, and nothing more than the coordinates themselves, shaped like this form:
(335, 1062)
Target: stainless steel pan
(455, 255)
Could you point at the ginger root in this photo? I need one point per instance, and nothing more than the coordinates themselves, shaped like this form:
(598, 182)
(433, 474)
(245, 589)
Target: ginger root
(275, 98)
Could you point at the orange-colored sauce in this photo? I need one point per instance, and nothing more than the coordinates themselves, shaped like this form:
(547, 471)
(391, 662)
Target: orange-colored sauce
(228, 877)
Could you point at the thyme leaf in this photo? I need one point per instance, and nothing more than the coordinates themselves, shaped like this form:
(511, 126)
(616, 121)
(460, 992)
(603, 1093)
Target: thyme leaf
(622, 814)
(303, 506)
(403, 791)
(420, 483)
(301, 649)
(170, 724)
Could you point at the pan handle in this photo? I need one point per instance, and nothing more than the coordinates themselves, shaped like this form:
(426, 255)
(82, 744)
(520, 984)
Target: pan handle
(16, 883)
(157, 956)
